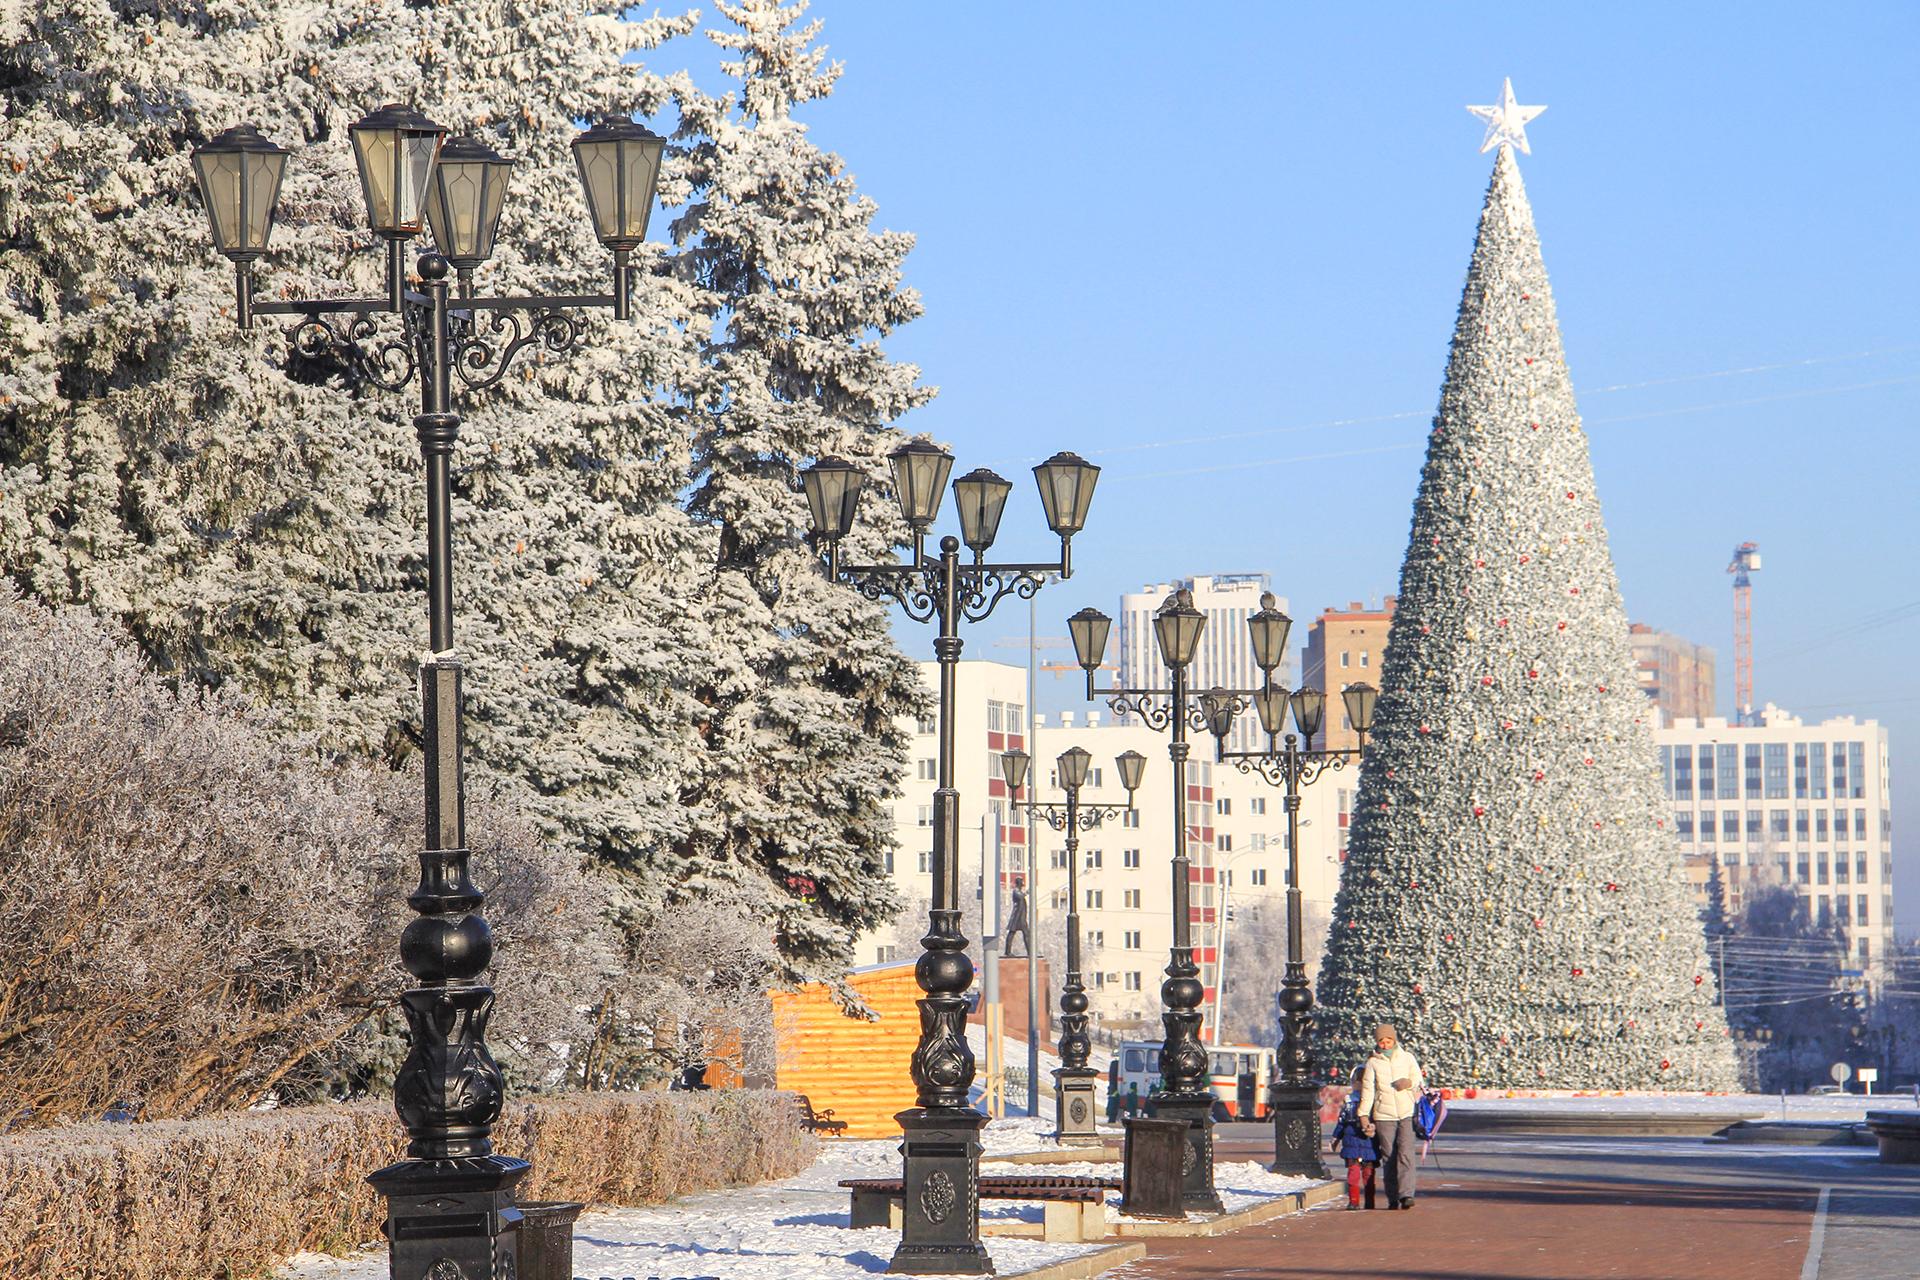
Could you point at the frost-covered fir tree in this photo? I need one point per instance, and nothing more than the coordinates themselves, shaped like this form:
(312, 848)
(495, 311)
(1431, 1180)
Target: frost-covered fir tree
(253, 517)
(1513, 898)
(806, 687)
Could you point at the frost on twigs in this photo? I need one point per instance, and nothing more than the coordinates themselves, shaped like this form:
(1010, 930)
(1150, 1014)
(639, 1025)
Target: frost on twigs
(1513, 898)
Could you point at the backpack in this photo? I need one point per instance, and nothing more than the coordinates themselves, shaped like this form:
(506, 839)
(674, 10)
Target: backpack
(1428, 1111)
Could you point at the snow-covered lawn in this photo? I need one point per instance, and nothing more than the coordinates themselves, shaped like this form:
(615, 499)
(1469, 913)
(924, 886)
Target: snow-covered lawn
(797, 1229)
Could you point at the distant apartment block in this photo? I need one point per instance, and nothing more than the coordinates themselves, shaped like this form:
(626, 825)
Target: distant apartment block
(1676, 673)
(1807, 806)
(1344, 647)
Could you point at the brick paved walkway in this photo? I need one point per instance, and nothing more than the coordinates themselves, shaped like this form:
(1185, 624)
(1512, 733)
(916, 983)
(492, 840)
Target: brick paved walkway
(1573, 1209)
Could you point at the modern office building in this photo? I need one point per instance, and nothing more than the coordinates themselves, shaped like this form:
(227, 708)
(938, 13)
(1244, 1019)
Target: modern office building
(1226, 651)
(1344, 646)
(1674, 672)
(1788, 803)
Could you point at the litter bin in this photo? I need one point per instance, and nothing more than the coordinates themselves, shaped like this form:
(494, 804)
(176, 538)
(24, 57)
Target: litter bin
(545, 1250)
(1246, 1105)
(1154, 1174)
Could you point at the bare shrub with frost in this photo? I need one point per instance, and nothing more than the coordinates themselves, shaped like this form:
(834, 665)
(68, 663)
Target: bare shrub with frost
(197, 915)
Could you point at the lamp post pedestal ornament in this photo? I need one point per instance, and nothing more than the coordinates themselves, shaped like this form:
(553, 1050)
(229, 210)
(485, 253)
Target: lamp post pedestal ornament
(1075, 1113)
(1295, 1092)
(450, 1202)
(1177, 629)
(940, 1224)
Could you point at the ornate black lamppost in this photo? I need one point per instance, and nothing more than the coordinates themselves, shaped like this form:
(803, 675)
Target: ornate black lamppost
(1295, 1093)
(941, 1226)
(450, 1202)
(1177, 627)
(1073, 1108)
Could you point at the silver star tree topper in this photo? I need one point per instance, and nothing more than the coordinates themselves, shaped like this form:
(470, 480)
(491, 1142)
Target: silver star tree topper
(1506, 121)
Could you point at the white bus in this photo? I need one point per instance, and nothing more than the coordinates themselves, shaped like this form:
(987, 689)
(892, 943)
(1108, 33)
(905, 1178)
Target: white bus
(1136, 1063)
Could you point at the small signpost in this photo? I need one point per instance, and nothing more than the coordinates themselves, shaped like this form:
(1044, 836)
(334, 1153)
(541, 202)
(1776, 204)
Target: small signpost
(1840, 1072)
(1867, 1076)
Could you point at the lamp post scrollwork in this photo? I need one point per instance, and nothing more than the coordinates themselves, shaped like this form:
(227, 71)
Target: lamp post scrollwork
(942, 1148)
(451, 1200)
(1074, 1110)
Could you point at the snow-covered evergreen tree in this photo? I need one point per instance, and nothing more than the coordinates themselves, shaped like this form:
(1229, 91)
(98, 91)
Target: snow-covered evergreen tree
(256, 517)
(1513, 898)
(805, 687)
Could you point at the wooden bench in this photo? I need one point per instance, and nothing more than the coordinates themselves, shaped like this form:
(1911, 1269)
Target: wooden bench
(1073, 1209)
(818, 1121)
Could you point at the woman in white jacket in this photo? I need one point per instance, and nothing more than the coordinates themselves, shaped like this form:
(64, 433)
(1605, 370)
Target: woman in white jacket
(1390, 1084)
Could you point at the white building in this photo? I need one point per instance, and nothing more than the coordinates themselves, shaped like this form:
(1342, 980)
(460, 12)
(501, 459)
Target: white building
(1236, 829)
(1226, 651)
(1782, 802)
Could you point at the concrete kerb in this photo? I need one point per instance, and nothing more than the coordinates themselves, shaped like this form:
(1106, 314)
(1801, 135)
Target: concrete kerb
(1251, 1216)
(1086, 1265)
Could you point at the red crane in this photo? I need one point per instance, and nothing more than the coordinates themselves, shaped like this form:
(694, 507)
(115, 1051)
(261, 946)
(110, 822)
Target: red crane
(1746, 561)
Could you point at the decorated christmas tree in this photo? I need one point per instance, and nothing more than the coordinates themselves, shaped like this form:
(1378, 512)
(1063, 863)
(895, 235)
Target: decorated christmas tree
(1513, 896)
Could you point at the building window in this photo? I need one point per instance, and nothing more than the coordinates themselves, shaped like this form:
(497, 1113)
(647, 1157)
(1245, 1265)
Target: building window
(1729, 770)
(1820, 825)
(1820, 868)
(926, 724)
(1800, 868)
(929, 770)
(1753, 771)
(996, 717)
(886, 953)
(1363, 657)
(1840, 825)
(1130, 940)
(1776, 770)
(889, 861)
(1129, 857)
(1094, 857)
(1096, 938)
(1777, 823)
(1799, 771)
(1817, 768)
(1133, 980)
(1257, 805)
(1095, 898)
(1706, 773)
(1839, 771)
(1753, 826)
(1016, 718)
(926, 861)
(1224, 805)
(925, 816)
(1130, 898)
(1857, 770)
(1683, 824)
(1130, 818)
(1343, 658)
(1860, 910)
(1859, 824)
(1258, 875)
(1800, 825)
(1223, 843)
(1730, 825)
(1093, 776)
(1683, 774)
(1840, 867)
(1707, 827)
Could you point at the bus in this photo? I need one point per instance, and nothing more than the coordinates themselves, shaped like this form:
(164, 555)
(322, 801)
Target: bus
(1137, 1063)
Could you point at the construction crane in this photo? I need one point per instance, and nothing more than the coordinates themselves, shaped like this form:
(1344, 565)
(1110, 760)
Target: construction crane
(1746, 561)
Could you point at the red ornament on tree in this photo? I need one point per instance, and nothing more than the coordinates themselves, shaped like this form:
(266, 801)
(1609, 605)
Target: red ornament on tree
(1665, 1065)
(1479, 812)
(1578, 971)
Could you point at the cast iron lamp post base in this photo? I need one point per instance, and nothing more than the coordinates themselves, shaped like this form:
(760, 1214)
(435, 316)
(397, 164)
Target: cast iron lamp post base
(451, 1219)
(1075, 1112)
(1197, 1193)
(941, 1209)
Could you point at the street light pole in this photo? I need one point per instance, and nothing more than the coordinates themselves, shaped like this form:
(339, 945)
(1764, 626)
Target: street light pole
(1073, 1110)
(1295, 1094)
(451, 1201)
(1177, 627)
(940, 1232)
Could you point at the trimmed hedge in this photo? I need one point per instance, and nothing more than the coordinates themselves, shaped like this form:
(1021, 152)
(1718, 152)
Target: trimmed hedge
(232, 1195)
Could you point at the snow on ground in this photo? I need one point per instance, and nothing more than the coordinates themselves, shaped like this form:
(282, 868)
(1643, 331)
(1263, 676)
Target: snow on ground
(797, 1229)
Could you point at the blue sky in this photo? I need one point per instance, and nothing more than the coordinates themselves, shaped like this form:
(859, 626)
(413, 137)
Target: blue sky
(1218, 250)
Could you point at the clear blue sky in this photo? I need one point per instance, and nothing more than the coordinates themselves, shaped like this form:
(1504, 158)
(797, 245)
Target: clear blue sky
(1218, 250)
